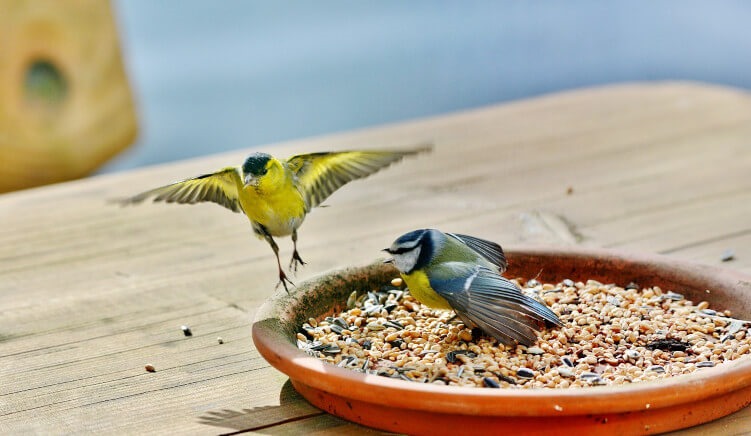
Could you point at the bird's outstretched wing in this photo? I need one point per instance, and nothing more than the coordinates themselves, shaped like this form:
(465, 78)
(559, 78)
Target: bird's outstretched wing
(221, 187)
(487, 249)
(320, 174)
(492, 303)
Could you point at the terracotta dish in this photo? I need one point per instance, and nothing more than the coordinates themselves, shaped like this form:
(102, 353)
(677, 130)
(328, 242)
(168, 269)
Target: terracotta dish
(407, 407)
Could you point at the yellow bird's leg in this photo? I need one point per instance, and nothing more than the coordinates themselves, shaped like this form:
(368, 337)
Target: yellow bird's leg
(283, 280)
(296, 259)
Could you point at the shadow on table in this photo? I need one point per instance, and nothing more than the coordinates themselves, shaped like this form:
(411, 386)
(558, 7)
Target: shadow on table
(292, 407)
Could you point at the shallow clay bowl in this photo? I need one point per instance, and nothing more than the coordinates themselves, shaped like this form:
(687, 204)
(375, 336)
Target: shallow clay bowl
(408, 407)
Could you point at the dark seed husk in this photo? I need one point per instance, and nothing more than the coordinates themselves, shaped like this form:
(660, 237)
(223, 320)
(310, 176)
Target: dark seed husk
(337, 329)
(505, 378)
(393, 324)
(366, 344)
(490, 383)
(309, 332)
(656, 368)
(632, 285)
(568, 283)
(396, 343)
(341, 322)
(566, 361)
(390, 307)
(525, 373)
(318, 346)
(668, 344)
(331, 350)
(705, 364)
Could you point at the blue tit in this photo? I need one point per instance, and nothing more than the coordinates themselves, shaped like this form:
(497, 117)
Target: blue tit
(277, 194)
(463, 273)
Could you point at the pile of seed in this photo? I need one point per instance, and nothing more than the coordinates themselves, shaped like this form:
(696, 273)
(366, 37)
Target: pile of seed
(611, 335)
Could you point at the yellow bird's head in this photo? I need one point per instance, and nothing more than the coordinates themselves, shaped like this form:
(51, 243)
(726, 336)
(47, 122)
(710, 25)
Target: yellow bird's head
(262, 171)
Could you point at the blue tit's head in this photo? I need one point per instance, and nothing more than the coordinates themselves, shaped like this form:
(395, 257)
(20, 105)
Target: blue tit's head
(255, 167)
(412, 250)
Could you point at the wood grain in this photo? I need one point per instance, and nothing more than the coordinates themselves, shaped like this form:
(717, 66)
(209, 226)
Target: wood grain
(91, 292)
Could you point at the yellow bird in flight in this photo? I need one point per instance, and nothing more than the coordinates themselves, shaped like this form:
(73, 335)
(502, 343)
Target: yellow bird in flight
(276, 194)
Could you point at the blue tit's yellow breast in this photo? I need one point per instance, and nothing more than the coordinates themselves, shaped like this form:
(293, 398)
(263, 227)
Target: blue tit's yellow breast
(419, 287)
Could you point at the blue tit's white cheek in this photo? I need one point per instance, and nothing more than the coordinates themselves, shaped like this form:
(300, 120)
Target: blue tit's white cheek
(405, 262)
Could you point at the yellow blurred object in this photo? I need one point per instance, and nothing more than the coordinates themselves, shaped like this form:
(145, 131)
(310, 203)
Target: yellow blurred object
(65, 103)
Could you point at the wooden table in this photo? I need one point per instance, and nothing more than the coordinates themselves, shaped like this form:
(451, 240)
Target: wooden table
(91, 292)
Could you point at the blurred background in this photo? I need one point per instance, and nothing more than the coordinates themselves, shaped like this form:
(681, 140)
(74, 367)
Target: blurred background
(206, 77)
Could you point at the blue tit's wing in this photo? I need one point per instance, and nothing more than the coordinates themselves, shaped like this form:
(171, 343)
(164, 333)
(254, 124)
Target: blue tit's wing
(222, 187)
(320, 174)
(487, 249)
(491, 302)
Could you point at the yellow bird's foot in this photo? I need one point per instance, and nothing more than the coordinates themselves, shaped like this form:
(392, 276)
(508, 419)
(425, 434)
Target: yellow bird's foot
(295, 261)
(283, 280)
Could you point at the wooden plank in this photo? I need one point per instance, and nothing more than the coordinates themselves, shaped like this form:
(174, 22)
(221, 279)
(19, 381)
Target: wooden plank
(91, 292)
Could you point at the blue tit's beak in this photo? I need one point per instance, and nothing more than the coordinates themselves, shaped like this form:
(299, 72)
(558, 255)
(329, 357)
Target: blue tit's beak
(390, 259)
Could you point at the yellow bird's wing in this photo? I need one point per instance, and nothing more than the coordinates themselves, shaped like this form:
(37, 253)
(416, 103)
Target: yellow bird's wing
(222, 187)
(320, 174)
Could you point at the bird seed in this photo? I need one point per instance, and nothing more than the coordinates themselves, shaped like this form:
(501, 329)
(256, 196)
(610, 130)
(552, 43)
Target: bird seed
(611, 335)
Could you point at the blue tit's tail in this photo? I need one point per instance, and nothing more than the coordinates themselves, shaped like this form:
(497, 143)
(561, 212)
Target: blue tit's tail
(498, 307)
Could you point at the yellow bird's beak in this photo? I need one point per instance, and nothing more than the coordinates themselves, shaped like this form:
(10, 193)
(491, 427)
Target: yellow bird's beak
(250, 180)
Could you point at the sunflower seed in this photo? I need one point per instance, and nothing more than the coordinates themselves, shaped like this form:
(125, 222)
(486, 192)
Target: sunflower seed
(331, 349)
(341, 322)
(525, 373)
(352, 300)
(705, 364)
(490, 383)
(393, 324)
